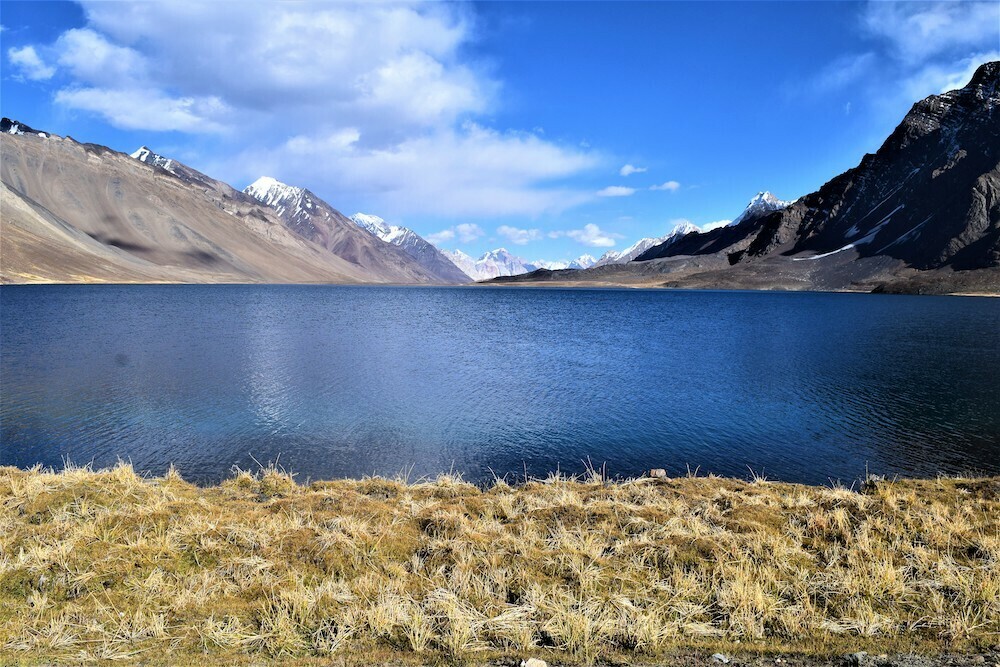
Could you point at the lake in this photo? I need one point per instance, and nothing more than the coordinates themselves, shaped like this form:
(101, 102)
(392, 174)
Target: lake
(349, 381)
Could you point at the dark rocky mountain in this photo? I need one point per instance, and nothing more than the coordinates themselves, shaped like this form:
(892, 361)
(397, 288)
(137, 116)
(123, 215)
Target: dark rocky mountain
(930, 196)
(8, 126)
(920, 214)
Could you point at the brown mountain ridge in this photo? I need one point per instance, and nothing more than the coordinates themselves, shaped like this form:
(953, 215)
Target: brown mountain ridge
(74, 212)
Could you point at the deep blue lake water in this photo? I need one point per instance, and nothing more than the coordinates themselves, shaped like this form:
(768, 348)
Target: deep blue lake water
(349, 381)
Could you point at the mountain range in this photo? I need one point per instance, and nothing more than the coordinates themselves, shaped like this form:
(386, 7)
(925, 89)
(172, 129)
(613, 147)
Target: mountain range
(75, 212)
(642, 245)
(921, 214)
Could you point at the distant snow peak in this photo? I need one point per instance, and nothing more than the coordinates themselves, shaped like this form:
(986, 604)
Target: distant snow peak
(491, 264)
(581, 262)
(144, 154)
(273, 192)
(680, 230)
(372, 223)
(414, 245)
(761, 204)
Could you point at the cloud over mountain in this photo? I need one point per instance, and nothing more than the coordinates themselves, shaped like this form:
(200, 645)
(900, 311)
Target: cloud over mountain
(387, 88)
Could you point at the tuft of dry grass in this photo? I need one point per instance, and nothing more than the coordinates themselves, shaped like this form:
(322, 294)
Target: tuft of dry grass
(107, 565)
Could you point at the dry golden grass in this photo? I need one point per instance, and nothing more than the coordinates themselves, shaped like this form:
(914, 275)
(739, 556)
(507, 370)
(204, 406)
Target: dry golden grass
(110, 566)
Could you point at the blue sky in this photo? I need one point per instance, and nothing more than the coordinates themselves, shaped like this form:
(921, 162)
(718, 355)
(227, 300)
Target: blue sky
(553, 129)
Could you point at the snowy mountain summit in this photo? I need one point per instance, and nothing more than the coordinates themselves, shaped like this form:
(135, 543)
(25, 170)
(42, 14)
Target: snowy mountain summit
(642, 245)
(581, 262)
(149, 157)
(8, 126)
(413, 244)
(762, 204)
(394, 234)
(278, 195)
(494, 263)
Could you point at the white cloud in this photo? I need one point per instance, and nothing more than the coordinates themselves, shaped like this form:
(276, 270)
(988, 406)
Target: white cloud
(464, 172)
(917, 31)
(445, 235)
(709, 226)
(369, 100)
(95, 61)
(591, 235)
(140, 110)
(933, 79)
(465, 232)
(670, 186)
(842, 72)
(26, 59)
(616, 191)
(518, 236)
(629, 169)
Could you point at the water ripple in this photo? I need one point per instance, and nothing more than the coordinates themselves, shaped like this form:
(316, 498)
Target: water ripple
(346, 381)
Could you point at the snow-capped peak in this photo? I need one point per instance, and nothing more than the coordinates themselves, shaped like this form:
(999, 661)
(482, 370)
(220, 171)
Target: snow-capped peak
(144, 154)
(271, 191)
(8, 126)
(642, 245)
(761, 204)
(372, 223)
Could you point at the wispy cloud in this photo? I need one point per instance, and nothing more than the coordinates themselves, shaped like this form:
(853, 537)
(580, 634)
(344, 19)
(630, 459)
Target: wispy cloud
(591, 235)
(843, 71)
(629, 169)
(465, 233)
(669, 186)
(29, 65)
(914, 49)
(709, 226)
(935, 78)
(444, 236)
(616, 191)
(918, 31)
(519, 236)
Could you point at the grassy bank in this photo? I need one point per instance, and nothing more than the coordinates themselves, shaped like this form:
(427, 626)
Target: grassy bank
(108, 565)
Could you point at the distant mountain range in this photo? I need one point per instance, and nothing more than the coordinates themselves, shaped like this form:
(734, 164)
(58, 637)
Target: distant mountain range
(922, 214)
(149, 218)
(642, 245)
(501, 262)
(494, 263)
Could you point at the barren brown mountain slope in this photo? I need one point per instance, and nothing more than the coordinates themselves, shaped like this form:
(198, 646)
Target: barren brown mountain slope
(75, 212)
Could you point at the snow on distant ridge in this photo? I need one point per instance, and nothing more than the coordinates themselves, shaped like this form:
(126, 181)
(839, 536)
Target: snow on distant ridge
(149, 157)
(581, 262)
(642, 245)
(491, 264)
(413, 244)
(273, 192)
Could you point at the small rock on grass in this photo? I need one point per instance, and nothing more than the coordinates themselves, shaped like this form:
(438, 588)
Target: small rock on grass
(719, 657)
(533, 662)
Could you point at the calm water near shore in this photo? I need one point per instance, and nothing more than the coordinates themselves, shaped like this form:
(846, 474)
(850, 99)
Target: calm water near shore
(348, 381)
